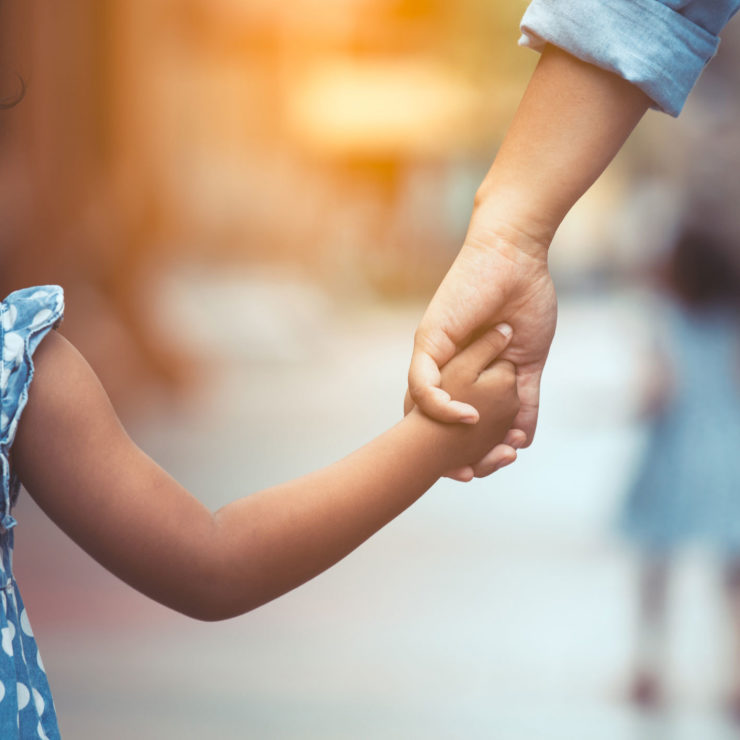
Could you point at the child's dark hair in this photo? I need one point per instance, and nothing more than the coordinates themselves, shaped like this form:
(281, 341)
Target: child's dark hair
(704, 269)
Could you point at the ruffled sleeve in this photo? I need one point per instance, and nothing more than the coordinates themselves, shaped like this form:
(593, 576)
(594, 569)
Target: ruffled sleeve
(26, 317)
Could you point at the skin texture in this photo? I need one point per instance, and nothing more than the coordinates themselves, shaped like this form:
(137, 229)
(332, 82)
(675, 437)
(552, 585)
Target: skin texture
(572, 120)
(117, 504)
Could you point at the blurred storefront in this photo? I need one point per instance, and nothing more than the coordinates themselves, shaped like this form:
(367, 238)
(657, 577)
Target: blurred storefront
(343, 138)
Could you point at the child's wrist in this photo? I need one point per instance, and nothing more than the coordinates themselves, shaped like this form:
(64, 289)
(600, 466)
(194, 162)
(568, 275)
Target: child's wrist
(441, 446)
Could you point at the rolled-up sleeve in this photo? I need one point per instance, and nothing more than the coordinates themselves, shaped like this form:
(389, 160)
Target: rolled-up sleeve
(661, 46)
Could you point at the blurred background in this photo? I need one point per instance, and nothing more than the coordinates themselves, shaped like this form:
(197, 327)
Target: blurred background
(249, 204)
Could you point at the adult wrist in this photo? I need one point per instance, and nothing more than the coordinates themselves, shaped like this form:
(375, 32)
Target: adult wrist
(502, 216)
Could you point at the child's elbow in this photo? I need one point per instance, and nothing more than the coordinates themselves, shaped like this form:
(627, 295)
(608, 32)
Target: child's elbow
(218, 599)
(211, 614)
(204, 610)
(210, 610)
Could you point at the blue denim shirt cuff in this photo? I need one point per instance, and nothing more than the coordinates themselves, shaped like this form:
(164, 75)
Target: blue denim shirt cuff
(644, 41)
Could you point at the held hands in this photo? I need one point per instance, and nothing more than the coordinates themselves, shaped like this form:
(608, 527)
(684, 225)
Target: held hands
(572, 120)
(499, 275)
(476, 377)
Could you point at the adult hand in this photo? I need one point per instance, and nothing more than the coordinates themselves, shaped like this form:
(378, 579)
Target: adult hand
(571, 122)
(500, 275)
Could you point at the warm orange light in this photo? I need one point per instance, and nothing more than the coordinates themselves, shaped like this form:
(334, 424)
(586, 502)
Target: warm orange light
(407, 107)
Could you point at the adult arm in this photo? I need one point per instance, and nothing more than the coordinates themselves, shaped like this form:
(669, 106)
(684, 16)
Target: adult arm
(571, 122)
(618, 58)
(661, 46)
(115, 502)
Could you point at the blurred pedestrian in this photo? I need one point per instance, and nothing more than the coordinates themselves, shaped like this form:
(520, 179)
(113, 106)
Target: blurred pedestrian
(687, 487)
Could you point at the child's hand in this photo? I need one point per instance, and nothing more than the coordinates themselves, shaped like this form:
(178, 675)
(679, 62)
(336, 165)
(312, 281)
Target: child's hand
(474, 376)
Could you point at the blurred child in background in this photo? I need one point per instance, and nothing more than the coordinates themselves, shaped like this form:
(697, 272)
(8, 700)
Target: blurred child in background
(687, 488)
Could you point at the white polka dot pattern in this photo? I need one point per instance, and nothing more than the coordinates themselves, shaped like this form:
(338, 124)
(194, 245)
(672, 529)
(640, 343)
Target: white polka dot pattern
(25, 624)
(23, 695)
(7, 641)
(38, 701)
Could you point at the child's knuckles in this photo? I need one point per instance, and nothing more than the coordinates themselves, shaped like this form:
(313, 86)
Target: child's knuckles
(513, 392)
(504, 401)
(505, 368)
(499, 383)
(509, 393)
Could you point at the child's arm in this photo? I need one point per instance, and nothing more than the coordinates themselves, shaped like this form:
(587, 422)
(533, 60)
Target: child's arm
(83, 470)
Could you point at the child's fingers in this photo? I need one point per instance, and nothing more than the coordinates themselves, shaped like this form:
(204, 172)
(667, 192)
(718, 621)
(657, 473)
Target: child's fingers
(484, 350)
(425, 390)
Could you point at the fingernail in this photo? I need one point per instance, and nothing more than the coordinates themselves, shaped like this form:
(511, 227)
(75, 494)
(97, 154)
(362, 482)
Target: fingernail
(504, 329)
(469, 419)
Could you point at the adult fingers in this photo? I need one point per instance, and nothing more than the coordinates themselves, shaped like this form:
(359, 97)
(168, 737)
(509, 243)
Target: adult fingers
(500, 456)
(424, 387)
(528, 390)
(463, 475)
(515, 438)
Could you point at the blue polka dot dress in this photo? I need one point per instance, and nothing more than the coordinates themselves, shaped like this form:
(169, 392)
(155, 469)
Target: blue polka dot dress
(687, 486)
(26, 706)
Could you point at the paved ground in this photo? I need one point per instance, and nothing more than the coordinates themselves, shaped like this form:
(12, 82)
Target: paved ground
(498, 610)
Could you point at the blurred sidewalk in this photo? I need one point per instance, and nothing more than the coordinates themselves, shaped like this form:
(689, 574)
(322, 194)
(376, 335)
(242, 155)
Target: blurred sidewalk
(501, 609)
